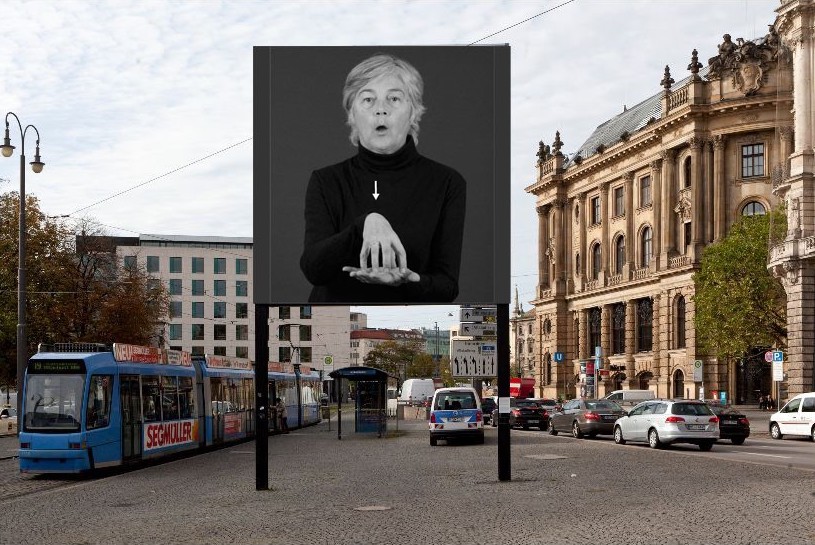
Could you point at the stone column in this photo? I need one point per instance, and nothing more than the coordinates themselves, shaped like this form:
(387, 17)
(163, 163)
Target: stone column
(656, 349)
(628, 177)
(656, 200)
(697, 197)
(605, 333)
(786, 134)
(558, 242)
(604, 215)
(707, 199)
(584, 251)
(719, 189)
(543, 248)
(668, 192)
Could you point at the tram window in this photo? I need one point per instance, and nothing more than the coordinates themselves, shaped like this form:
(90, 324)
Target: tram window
(150, 399)
(186, 399)
(100, 394)
(169, 398)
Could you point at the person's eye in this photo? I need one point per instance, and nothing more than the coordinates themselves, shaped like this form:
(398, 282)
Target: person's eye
(395, 99)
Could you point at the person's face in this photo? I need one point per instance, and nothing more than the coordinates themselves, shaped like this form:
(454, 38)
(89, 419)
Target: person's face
(381, 114)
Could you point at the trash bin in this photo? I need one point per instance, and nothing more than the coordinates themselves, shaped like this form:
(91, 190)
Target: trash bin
(400, 412)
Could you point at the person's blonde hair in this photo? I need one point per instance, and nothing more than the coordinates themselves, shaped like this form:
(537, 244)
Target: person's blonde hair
(381, 65)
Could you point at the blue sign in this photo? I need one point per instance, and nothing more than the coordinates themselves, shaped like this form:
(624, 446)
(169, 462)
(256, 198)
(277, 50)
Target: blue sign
(598, 351)
(778, 355)
(559, 356)
(723, 397)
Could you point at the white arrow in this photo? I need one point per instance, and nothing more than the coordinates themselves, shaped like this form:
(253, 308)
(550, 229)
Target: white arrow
(376, 191)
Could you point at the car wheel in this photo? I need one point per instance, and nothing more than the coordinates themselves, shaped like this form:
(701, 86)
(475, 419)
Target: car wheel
(433, 441)
(618, 435)
(775, 431)
(653, 439)
(576, 433)
(552, 430)
(737, 440)
(812, 433)
(706, 446)
(494, 422)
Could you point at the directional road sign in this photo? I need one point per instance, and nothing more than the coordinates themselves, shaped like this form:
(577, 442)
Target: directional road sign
(478, 330)
(473, 359)
(476, 314)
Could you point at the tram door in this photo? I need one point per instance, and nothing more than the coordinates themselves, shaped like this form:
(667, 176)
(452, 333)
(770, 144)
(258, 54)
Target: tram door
(130, 401)
(219, 409)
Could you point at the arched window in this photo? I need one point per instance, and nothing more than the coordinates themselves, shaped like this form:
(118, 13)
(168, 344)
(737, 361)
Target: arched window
(618, 328)
(644, 379)
(753, 208)
(576, 337)
(619, 254)
(680, 322)
(594, 329)
(647, 246)
(679, 384)
(547, 359)
(687, 172)
(595, 261)
(645, 321)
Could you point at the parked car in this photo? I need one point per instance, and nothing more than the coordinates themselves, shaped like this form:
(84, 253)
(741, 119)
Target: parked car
(549, 404)
(733, 424)
(661, 422)
(456, 413)
(588, 417)
(630, 397)
(797, 417)
(525, 413)
(8, 420)
(488, 405)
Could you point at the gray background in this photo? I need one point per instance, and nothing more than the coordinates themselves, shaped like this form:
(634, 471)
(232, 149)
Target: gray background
(300, 126)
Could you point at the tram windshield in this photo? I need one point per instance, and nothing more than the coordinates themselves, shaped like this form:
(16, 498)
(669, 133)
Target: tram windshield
(53, 402)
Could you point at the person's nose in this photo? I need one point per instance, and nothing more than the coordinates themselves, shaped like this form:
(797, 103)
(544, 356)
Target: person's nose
(382, 107)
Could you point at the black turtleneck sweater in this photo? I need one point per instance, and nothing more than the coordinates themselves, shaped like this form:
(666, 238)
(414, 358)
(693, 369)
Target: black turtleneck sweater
(423, 200)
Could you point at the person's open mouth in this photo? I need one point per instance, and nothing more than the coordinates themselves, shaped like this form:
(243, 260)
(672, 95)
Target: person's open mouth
(381, 129)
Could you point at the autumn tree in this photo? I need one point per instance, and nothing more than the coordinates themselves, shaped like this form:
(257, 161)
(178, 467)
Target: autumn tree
(740, 305)
(74, 292)
(401, 359)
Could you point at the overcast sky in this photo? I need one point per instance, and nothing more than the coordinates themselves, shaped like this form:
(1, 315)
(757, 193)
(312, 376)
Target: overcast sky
(124, 92)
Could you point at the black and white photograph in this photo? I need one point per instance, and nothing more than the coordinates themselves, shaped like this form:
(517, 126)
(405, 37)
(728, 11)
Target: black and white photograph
(378, 174)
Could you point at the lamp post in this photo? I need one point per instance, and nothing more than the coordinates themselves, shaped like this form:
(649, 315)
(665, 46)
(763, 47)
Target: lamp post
(436, 356)
(36, 165)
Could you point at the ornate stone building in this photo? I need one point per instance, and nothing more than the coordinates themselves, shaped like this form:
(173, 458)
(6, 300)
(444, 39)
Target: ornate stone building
(793, 259)
(623, 222)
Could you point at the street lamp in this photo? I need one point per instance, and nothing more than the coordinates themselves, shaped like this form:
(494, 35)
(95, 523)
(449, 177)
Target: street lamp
(436, 357)
(36, 165)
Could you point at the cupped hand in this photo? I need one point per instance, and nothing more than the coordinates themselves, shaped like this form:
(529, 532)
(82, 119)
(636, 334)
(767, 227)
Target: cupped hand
(382, 276)
(378, 236)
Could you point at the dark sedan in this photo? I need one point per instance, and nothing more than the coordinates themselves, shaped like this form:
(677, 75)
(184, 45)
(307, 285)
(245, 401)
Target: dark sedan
(588, 417)
(487, 406)
(733, 425)
(524, 413)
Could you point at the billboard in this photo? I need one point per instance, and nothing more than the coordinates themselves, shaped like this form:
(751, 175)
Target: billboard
(375, 186)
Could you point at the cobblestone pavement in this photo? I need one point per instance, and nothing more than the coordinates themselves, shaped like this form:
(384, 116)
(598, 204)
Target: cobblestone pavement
(400, 490)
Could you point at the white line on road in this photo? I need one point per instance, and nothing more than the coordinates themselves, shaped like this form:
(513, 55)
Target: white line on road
(768, 455)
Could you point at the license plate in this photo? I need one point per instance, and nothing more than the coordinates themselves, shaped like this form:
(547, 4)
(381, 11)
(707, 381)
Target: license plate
(733, 422)
(533, 421)
(696, 426)
(455, 419)
(609, 417)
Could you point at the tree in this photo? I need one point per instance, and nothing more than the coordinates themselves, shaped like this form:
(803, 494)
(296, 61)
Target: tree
(73, 292)
(739, 303)
(398, 359)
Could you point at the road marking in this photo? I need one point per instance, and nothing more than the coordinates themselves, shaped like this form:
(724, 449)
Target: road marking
(545, 457)
(768, 455)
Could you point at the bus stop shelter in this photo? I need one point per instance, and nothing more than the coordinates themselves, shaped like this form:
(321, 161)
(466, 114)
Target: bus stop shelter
(370, 398)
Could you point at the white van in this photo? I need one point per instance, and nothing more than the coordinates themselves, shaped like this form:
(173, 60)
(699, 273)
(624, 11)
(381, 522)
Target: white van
(797, 417)
(630, 397)
(415, 391)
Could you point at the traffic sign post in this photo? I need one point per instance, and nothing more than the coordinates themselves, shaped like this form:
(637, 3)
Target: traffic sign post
(483, 329)
(473, 359)
(477, 314)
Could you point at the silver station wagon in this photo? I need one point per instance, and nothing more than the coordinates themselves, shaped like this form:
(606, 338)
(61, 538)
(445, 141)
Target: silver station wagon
(661, 422)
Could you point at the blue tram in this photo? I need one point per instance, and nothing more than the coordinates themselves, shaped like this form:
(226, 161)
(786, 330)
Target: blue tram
(89, 406)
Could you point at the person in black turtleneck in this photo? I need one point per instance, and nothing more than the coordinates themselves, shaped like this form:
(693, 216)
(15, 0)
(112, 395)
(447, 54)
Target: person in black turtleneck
(386, 225)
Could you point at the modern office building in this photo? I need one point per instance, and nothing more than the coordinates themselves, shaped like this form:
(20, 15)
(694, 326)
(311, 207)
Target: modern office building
(209, 280)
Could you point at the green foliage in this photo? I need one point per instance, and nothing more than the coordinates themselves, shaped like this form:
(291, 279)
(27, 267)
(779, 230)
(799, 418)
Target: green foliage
(402, 359)
(739, 303)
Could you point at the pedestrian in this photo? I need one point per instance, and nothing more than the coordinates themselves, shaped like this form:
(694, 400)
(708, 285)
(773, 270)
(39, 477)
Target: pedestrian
(769, 405)
(762, 404)
(281, 415)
